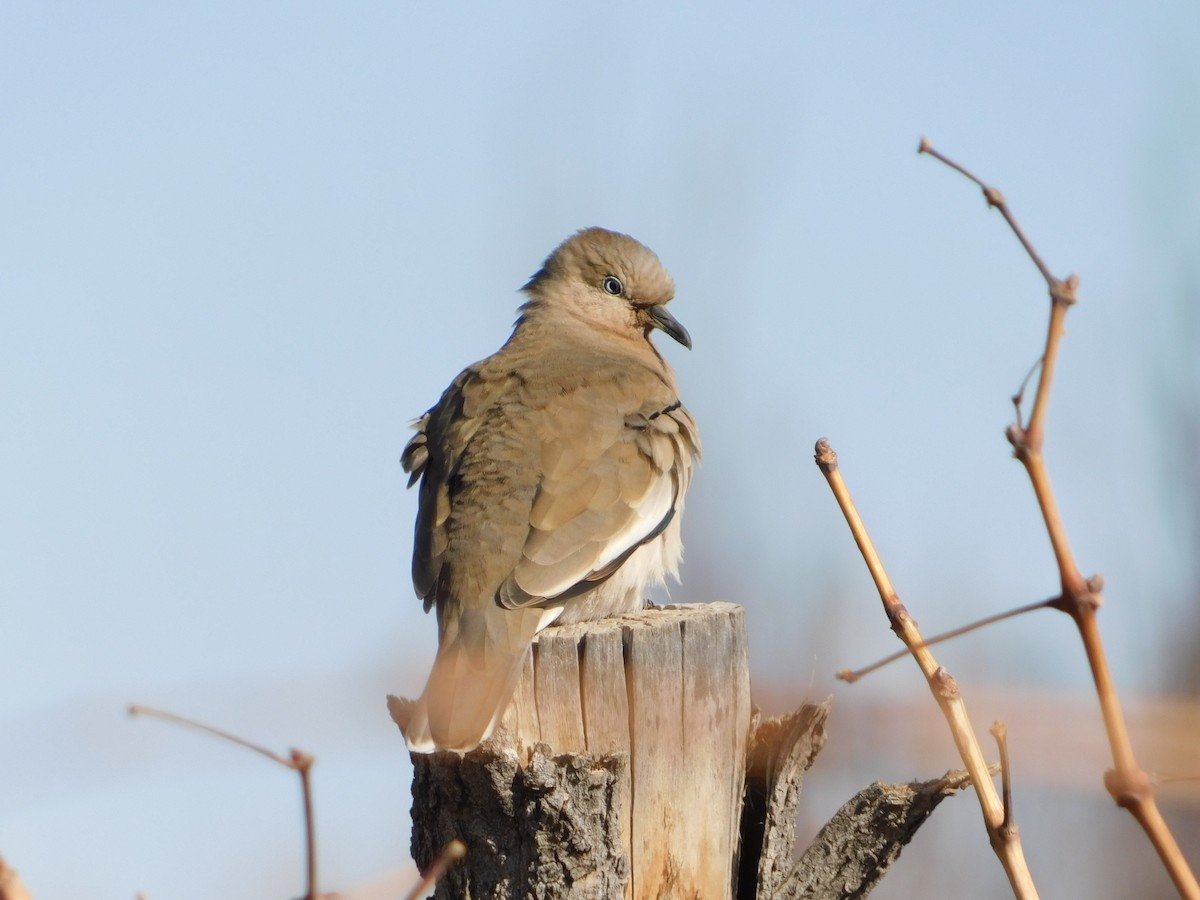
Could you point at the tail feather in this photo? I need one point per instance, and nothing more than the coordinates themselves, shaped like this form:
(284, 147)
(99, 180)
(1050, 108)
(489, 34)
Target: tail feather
(473, 679)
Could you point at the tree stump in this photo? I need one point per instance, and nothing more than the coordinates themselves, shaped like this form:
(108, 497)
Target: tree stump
(618, 772)
(631, 765)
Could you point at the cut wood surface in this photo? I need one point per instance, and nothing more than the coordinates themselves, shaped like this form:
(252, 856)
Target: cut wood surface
(669, 686)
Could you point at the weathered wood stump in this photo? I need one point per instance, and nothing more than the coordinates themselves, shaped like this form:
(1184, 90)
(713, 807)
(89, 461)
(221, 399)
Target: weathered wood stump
(627, 740)
(631, 765)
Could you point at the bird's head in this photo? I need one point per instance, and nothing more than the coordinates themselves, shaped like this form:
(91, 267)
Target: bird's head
(611, 281)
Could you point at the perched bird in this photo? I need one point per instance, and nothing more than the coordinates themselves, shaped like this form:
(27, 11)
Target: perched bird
(552, 479)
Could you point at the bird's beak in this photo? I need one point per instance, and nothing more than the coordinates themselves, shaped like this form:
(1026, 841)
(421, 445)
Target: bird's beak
(660, 318)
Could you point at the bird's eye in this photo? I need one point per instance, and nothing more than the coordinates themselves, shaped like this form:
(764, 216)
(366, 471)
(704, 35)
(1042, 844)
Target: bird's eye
(612, 285)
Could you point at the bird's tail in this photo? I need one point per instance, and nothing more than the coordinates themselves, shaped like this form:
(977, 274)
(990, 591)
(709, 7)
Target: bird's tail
(474, 676)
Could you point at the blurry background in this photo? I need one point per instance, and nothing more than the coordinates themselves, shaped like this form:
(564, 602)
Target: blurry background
(243, 245)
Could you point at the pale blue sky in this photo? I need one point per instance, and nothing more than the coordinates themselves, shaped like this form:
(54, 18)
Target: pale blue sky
(243, 245)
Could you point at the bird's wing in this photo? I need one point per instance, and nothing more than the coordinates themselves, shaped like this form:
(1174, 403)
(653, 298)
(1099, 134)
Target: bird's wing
(615, 459)
(535, 491)
(447, 436)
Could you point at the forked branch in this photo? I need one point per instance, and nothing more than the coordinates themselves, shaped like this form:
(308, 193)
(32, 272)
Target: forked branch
(1002, 831)
(1128, 784)
(297, 760)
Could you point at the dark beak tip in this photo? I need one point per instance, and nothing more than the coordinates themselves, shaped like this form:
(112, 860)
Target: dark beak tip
(666, 322)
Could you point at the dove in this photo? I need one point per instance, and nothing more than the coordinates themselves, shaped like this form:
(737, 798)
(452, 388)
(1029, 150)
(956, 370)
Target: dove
(552, 479)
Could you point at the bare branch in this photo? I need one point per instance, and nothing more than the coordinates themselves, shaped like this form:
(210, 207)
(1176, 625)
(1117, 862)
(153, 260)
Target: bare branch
(941, 685)
(451, 853)
(139, 710)
(297, 760)
(1126, 782)
(1000, 732)
(11, 886)
(852, 675)
(995, 200)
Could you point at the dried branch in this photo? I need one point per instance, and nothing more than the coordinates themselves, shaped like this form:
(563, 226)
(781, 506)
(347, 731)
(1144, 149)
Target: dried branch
(781, 751)
(1006, 844)
(11, 886)
(852, 675)
(297, 760)
(451, 853)
(1000, 732)
(1126, 782)
(854, 849)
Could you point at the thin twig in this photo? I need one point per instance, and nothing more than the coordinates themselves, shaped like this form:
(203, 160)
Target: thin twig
(139, 710)
(1127, 782)
(298, 761)
(1019, 397)
(852, 675)
(1000, 732)
(303, 764)
(1174, 779)
(994, 199)
(451, 853)
(1007, 845)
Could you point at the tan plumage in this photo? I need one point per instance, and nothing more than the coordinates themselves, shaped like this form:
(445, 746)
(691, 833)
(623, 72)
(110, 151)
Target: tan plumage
(552, 478)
